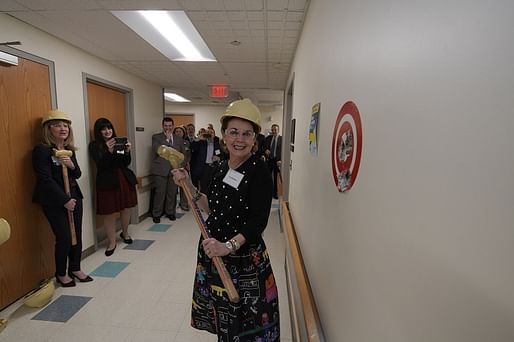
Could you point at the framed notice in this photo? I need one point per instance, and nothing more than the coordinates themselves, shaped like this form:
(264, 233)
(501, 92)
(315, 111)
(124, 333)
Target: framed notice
(313, 130)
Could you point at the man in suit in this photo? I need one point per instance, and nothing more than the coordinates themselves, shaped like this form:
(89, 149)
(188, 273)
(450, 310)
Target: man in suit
(205, 155)
(273, 152)
(165, 189)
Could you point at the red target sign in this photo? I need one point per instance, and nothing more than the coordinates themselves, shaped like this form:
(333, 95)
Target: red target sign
(346, 147)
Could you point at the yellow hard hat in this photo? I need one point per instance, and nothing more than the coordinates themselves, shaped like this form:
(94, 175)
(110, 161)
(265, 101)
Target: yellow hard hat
(41, 295)
(56, 115)
(244, 109)
(5, 231)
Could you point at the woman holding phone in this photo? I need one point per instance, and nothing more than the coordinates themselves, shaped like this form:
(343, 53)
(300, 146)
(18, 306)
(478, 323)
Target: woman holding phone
(115, 182)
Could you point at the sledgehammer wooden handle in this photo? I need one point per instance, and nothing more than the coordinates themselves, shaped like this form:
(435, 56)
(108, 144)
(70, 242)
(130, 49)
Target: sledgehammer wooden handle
(233, 296)
(71, 222)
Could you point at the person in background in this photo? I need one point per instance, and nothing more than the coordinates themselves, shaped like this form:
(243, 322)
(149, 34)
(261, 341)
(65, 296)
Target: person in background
(50, 193)
(190, 129)
(180, 131)
(165, 190)
(115, 182)
(273, 152)
(237, 203)
(260, 146)
(205, 154)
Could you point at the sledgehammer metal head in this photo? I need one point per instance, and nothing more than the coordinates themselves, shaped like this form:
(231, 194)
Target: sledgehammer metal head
(170, 154)
(62, 153)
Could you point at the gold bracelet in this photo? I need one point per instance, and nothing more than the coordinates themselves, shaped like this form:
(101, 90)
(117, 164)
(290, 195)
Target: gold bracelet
(235, 244)
(197, 195)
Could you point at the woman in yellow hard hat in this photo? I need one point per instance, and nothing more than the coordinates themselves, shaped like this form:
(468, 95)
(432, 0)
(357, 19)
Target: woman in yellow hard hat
(238, 203)
(50, 193)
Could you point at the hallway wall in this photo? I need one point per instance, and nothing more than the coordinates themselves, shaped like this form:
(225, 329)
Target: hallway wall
(421, 248)
(205, 114)
(70, 63)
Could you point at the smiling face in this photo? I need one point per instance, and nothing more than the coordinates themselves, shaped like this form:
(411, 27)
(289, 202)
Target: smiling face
(167, 127)
(106, 133)
(239, 138)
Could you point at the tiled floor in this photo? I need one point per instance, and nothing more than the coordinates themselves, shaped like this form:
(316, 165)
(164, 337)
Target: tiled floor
(141, 293)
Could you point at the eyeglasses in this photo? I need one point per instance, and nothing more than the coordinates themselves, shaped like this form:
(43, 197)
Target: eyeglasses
(59, 125)
(245, 135)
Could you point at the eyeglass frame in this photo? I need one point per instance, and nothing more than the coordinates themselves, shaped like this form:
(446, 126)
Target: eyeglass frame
(234, 133)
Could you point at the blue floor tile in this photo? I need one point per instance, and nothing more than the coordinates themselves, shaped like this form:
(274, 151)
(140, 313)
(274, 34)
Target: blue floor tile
(109, 269)
(62, 309)
(160, 227)
(275, 206)
(140, 245)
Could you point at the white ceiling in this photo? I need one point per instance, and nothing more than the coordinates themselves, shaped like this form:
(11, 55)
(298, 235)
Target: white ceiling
(258, 68)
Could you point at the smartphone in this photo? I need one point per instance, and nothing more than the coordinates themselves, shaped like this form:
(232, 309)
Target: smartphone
(120, 143)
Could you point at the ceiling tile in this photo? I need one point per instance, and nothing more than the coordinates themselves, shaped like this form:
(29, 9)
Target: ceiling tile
(276, 15)
(233, 5)
(60, 5)
(267, 29)
(277, 5)
(139, 5)
(254, 5)
(11, 5)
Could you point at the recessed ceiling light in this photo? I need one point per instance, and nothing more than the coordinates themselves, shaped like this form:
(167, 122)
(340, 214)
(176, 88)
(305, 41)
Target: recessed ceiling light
(172, 97)
(170, 32)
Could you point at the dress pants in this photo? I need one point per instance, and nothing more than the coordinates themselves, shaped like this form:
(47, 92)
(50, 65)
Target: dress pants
(272, 164)
(165, 196)
(64, 252)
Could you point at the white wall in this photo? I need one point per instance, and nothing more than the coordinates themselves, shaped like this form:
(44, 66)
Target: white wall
(70, 63)
(205, 114)
(422, 247)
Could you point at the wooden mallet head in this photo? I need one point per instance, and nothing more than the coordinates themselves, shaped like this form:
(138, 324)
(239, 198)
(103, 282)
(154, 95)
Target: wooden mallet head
(62, 153)
(170, 154)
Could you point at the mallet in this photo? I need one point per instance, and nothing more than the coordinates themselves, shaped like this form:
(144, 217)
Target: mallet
(67, 153)
(175, 158)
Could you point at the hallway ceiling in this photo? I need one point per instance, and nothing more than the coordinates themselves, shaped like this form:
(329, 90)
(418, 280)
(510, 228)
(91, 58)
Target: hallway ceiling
(258, 68)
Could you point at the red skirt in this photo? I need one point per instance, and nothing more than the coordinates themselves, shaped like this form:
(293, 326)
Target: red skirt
(115, 200)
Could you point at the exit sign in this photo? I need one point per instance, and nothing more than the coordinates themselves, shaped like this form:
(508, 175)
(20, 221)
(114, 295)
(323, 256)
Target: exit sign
(219, 90)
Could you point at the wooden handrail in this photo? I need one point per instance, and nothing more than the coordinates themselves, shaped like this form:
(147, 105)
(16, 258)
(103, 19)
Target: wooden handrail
(310, 312)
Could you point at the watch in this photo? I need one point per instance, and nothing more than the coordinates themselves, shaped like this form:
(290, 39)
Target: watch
(230, 246)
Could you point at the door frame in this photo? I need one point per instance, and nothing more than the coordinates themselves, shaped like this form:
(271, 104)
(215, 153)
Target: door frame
(50, 64)
(129, 117)
(287, 162)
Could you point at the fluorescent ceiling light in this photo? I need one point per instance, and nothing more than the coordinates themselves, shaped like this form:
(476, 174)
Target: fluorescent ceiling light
(170, 32)
(175, 98)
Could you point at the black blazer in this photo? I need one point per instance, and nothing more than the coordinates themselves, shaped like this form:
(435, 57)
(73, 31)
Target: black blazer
(267, 146)
(107, 165)
(49, 189)
(199, 154)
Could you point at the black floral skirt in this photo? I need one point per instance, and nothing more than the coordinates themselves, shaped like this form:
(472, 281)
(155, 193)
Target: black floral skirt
(256, 317)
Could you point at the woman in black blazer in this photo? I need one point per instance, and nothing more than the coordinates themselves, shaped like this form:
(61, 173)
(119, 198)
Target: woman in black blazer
(49, 192)
(115, 182)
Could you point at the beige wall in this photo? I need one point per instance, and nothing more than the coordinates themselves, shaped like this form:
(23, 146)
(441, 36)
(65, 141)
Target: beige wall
(70, 63)
(205, 114)
(421, 249)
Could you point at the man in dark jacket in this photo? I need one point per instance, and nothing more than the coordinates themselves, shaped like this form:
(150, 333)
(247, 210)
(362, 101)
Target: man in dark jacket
(273, 151)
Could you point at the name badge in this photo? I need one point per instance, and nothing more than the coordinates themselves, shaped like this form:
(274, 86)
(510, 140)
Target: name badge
(233, 178)
(217, 152)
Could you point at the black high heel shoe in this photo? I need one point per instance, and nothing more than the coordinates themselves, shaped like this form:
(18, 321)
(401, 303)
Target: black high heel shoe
(68, 284)
(87, 279)
(128, 240)
(109, 252)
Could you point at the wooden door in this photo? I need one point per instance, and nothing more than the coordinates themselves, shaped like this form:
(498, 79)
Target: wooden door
(109, 103)
(182, 119)
(27, 257)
